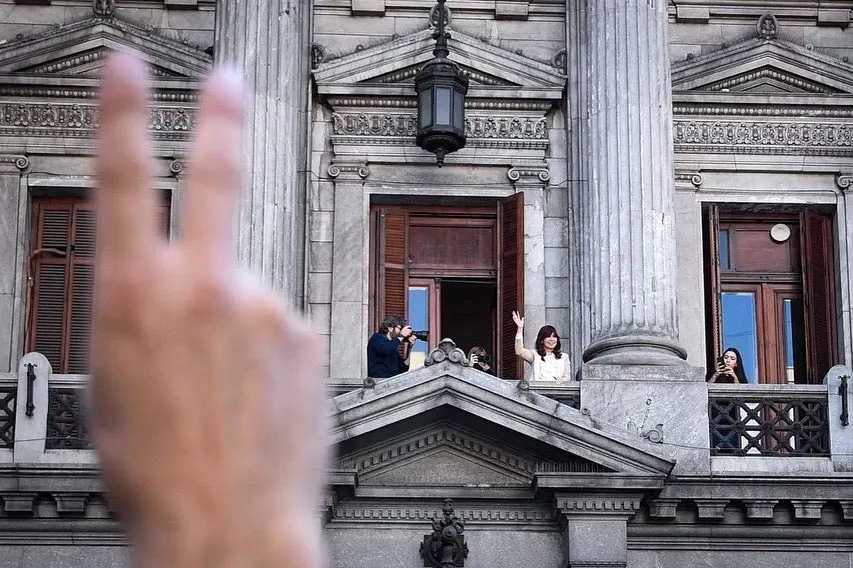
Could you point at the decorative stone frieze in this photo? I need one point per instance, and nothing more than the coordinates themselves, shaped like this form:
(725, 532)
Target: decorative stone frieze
(763, 137)
(81, 120)
(405, 125)
(494, 514)
(739, 110)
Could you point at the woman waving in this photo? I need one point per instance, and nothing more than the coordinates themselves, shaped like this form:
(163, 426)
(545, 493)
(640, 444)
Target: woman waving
(549, 362)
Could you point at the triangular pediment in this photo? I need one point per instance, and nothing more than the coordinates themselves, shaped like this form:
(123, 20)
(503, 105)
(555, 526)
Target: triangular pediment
(389, 68)
(764, 66)
(80, 50)
(479, 426)
(446, 453)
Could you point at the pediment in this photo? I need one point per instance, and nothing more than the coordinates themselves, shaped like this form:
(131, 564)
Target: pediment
(764, 66)
(389, 69)
(489, 427)
(80, 50)
(448, 454)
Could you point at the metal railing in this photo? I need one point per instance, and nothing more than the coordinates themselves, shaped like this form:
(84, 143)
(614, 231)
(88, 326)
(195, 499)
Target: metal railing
(768, 420)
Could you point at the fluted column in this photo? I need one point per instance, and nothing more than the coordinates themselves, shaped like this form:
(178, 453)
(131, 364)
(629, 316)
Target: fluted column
(631, 233)
(266, 40)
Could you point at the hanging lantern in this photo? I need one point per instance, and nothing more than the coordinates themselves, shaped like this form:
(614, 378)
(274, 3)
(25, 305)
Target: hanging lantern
(441, 87)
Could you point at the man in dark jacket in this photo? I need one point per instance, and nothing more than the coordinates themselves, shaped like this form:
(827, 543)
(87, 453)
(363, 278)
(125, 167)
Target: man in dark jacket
(388, 349)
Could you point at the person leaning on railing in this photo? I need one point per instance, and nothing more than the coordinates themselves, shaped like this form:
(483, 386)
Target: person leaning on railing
(548, 361)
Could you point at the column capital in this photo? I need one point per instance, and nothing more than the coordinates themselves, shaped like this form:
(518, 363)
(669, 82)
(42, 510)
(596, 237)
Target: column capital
(529, 175)
(692, 176)
(349, 170)
(598, 504)
(13, 163)
(177, 166)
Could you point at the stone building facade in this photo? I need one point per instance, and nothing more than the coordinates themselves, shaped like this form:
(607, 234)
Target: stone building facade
(656, 180)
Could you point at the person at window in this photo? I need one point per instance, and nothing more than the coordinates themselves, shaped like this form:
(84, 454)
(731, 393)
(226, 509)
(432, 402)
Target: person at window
(479, 359)
(729, 369)
(387, 352)
(548, 361)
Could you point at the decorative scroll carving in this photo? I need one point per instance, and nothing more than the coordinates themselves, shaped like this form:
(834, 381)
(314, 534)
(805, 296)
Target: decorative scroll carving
(337, 169)
(843, 181)
(447, 350)
(176, 167)
(768, 26)
(694, 178)
(81, 120)
(405, 125)
(445, 547)
(318, 55)
(20, 162)
(516, 174)
(559, 61)
(763, 137)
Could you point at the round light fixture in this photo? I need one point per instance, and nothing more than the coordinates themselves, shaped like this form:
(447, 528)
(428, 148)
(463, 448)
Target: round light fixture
(780, 232)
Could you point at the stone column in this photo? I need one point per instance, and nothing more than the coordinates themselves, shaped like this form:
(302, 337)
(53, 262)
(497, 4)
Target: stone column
(531, 180)
(267, 41)
(14, 243)
(630, 224)
(347, 353)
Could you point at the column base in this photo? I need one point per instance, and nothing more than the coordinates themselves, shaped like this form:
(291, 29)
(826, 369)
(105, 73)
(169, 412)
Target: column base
(635, 350)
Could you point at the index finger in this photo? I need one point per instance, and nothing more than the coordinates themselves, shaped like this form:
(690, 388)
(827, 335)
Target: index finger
(125, 201)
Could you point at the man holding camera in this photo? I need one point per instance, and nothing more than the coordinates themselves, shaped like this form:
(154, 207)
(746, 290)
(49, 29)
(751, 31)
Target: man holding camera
(388, 349)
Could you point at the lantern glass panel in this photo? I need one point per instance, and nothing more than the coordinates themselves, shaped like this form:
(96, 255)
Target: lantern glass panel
(425, 108)
(458, 110)
(442, 105)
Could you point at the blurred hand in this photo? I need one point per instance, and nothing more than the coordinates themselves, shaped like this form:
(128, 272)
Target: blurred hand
(473, 360)
(406, 331)
(208, 404)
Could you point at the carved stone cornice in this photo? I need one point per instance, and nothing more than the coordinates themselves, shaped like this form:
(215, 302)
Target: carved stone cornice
(83, 92)
(13, 163)
(340, 101)
(844, 180)
(695, 178)
(527, 175)
(714, 108)
(763, 137)
(485, 514)
(349, 170)
(81, 120)
(598, 504)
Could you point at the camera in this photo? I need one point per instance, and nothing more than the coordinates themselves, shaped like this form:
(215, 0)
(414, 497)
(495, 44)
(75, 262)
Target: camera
(422, 335)
(484, 358)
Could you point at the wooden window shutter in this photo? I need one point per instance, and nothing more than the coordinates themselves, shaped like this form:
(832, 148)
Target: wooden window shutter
(713, 319)
(393, 263)
(50, 249)
(81, 284)
(818, 294)
(510, 282)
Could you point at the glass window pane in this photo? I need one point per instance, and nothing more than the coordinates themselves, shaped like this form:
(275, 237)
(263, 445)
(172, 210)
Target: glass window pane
(739, 329)
(458, 110)
(724, 250)
(419, 320)
(795, 342)
(442, 106)
(425, 108)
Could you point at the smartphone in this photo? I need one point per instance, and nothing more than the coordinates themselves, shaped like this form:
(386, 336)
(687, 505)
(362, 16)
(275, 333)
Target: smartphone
(721, 363)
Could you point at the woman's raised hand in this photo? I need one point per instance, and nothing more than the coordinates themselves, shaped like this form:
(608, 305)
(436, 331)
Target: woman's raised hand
(519, 321)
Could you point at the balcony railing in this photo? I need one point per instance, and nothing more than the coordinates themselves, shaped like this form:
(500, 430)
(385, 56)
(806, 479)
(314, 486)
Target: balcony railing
(769, 420)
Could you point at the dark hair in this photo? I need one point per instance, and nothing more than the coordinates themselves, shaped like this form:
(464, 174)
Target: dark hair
(544, 332)
(739, 372)
(389, 322)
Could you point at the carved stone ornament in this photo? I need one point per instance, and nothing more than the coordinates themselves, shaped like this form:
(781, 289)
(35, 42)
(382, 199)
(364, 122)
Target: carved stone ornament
(318, 55)
(445, 547)
(531, 173)
(559, 61)
(447, 350)
(18, 161)
(764, 137)
(844, 181)
(695, 178)
(337, 169)
(104, 9)
(433, 17)
(768, 26)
